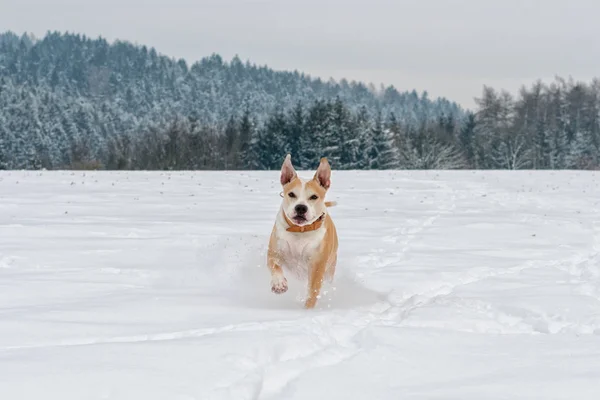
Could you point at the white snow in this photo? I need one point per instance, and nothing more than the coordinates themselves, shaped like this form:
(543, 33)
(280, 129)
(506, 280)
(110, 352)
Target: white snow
(450, 285)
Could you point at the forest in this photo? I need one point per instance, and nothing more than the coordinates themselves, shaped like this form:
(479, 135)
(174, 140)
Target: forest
(71, 102)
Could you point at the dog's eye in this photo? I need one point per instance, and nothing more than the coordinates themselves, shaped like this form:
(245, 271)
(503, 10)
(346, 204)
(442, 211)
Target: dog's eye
(314, 197)
(292, 195)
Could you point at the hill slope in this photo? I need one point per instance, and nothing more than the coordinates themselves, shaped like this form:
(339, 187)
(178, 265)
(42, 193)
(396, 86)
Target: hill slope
(66, 88)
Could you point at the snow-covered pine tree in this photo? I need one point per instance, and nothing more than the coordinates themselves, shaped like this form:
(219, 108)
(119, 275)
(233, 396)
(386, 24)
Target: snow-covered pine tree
(467, 139)
(5, 143)
(315, 139)
(364, 132)
(383, 154)
(273, 140)
(232, 144)
(579, 156)
(346, 134)
(294, 139)
(339, 141)
(330, 139)
(393, 125)
(245, 132)
(253, 156)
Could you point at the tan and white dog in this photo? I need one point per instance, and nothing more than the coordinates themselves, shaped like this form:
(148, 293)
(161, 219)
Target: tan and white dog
(304, 240)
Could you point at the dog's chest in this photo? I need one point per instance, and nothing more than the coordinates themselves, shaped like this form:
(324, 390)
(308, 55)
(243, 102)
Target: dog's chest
(297, 249)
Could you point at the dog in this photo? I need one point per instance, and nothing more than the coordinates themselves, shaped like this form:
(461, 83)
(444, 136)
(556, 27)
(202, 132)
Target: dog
(304, 239)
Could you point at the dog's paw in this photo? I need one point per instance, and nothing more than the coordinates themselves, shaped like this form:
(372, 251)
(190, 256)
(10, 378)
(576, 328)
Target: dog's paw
(279, 285)
(310, 303)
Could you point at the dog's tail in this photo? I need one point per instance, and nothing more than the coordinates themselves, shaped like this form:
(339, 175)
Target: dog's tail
(330, 203)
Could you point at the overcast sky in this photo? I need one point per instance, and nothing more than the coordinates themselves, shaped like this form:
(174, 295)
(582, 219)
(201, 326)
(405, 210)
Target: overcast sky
(450, 48)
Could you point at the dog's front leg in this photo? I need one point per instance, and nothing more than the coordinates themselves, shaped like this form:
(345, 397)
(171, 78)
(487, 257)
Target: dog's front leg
(278, 282)
(317, 273)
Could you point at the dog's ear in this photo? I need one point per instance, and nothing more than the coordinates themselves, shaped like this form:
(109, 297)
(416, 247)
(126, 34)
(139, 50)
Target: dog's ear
(323, 174)
(288, 173)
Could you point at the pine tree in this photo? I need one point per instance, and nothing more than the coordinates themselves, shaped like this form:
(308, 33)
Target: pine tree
(383, 154)
(365, 139)
(246, 134)
(559, 148)
(339, 139)
(579, 156)
(346, 134)
(294, 137)
(393, 125)
(5, 141)
(467, 139)
(542, 145)
(307, 153)
(273, 140)
(330, 138)
(253, 157)
(232, 144)
(314, 141)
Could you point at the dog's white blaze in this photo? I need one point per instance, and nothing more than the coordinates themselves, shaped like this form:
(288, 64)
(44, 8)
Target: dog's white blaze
(302, 196)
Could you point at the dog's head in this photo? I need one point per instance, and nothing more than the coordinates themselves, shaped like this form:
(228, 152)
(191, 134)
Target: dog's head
(304, 201)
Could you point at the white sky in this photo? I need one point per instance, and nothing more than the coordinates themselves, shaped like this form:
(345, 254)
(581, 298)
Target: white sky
(450, 48)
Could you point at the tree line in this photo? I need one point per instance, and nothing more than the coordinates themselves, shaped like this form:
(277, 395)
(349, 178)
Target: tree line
(555, 126)
(67, 101)
(360, 140)
(547, 126)
(66, 94)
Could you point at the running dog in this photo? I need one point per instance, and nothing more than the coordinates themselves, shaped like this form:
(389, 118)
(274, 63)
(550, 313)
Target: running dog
(304, 239)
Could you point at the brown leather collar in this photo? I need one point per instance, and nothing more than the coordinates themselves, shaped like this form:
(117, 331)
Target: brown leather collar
(304, 228)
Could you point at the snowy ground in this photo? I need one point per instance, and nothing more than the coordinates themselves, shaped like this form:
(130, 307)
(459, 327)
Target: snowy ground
(454, 285)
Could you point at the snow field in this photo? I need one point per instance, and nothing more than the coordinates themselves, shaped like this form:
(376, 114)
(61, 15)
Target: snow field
(450, 285)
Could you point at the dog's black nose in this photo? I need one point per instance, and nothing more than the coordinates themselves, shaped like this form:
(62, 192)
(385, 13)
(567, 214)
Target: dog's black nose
(301, 209)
